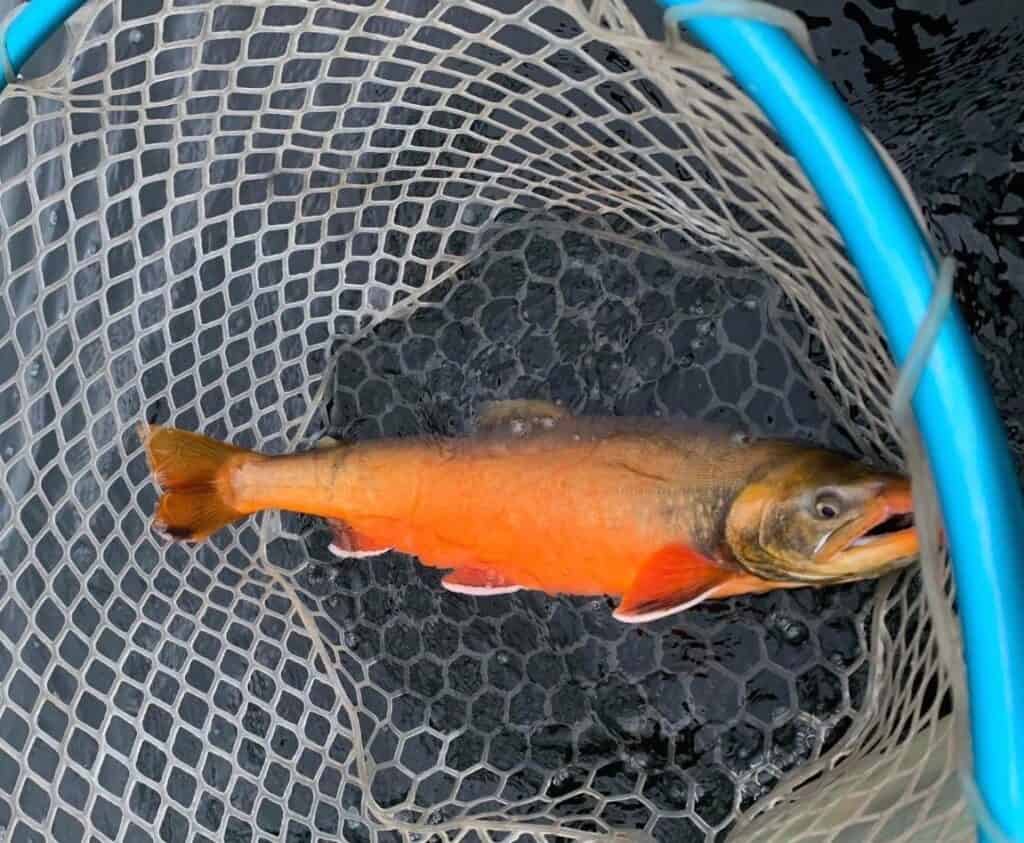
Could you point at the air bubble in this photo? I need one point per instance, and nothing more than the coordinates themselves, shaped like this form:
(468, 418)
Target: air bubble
(704, 327)
(750, 304)
(135, 36)
(518, 427)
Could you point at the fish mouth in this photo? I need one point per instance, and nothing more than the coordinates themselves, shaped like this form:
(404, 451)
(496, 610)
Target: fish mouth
(896, 525)
(882, 539)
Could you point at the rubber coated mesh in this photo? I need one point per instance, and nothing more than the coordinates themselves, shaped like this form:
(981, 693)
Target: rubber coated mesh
(268, 222)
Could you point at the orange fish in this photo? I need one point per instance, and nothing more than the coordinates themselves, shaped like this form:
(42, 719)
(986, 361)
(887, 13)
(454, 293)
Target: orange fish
(661, 513)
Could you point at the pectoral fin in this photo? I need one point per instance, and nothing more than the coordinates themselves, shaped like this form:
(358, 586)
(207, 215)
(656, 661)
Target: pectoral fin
(481, 582)
(672, 580)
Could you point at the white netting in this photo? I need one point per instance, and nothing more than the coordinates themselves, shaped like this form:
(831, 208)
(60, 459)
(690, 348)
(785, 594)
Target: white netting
(266, 221)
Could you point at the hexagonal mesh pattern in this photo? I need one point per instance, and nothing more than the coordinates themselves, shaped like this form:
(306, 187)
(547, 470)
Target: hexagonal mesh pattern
(270, 221)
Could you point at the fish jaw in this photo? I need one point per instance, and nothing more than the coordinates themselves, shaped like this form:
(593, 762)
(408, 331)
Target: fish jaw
(882, 539)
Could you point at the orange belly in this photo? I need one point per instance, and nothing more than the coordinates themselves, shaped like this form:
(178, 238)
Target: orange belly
(575, 519)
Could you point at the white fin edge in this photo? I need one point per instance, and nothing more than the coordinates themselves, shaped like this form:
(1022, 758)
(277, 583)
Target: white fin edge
(647, 617)
(341, 553)
(481, 590)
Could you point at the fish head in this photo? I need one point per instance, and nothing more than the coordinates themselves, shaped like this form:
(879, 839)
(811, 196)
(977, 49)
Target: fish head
(820, 517)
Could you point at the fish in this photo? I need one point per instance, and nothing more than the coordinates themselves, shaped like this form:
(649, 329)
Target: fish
(661, 514)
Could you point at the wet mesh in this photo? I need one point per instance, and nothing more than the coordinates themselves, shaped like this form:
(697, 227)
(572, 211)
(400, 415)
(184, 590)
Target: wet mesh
(269, 222)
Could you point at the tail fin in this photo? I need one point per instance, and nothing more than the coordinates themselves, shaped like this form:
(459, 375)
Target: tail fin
(189, 468)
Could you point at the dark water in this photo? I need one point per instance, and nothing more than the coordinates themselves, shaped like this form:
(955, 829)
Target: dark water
(705, 708)
(941, 84)
(701, 705)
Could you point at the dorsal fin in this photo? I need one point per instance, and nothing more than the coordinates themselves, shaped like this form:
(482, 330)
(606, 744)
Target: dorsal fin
(519, 416)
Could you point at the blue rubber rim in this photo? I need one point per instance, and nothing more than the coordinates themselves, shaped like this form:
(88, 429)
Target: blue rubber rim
(978, 490)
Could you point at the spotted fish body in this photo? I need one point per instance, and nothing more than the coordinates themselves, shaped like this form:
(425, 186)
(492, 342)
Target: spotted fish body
(537, 499)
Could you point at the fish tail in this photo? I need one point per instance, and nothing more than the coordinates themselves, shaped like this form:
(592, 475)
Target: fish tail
(192, 471)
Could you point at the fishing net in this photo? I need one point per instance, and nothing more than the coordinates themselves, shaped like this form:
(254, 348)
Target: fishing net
(268, 222)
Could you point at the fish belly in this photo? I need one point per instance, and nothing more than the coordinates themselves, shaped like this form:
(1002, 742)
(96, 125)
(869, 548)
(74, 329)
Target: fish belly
(557, 520)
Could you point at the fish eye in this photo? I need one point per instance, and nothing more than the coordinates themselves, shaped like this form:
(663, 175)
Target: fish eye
(827, 506)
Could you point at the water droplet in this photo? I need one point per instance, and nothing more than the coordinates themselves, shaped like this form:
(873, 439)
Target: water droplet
(518, 427)
(696, 343)
(52, 218)
(575, 437)
(704, 327)
(9, 451)
(135, 36)
(750, 304)
(350, 639)
(547, 423)
(741, 438)
(560, 777)
(502, 658)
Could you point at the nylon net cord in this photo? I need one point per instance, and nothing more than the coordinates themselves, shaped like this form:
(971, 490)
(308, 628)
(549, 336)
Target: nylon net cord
(749, 195)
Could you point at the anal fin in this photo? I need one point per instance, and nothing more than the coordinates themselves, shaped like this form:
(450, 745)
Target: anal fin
(672, 580)
(481, 582)
(348, 544)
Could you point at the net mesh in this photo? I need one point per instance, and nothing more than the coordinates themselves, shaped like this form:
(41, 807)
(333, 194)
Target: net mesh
(270, 221)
